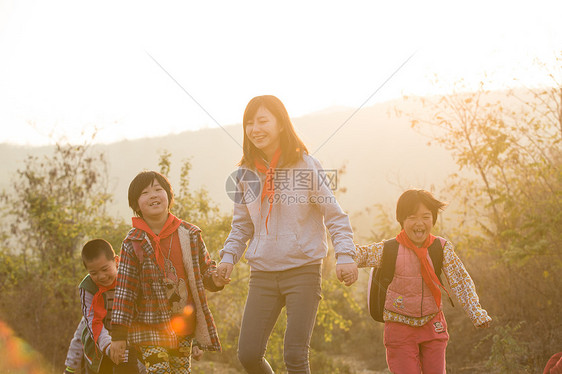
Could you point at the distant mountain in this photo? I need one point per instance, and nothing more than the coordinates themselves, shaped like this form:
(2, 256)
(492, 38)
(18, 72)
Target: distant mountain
(382, 155)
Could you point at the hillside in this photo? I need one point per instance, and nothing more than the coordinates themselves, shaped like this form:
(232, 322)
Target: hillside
(381, 153)
(507, 233)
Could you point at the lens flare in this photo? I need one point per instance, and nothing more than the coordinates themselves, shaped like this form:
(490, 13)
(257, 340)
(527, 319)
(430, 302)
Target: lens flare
(188, 310)
(184, 323)
(16, 356)
(178, 324)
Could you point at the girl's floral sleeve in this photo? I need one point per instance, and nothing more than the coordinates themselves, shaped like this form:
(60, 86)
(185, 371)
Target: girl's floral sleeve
(369, 255)
(462, 286)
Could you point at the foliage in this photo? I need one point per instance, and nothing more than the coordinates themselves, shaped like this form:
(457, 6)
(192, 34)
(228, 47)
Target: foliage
(507, 202)
(55, 204)
(508, 352)
(48, 202)
(509, 195)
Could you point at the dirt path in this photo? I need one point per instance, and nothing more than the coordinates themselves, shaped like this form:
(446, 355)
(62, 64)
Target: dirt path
(206, 367)
(359, 367)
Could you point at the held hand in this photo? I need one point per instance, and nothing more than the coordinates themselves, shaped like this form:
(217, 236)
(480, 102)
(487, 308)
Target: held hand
(117, 351)
(223, 272)
(347, 273)
(196, 353)
(218, 280)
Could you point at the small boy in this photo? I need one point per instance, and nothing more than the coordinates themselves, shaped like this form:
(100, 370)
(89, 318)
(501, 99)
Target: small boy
(97, 290)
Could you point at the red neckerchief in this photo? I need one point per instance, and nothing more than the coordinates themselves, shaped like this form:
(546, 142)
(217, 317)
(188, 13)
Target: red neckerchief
(171, 225)
(269, 187)
(427, 271)
(99, 310)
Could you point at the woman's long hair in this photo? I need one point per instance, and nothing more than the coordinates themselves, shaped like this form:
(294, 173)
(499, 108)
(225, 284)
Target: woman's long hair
(292, 147)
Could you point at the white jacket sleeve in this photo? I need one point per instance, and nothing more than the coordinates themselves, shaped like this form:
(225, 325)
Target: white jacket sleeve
(75, 350)
(241, 231)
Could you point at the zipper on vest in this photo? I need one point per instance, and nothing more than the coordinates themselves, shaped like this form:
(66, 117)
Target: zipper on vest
(421, 303)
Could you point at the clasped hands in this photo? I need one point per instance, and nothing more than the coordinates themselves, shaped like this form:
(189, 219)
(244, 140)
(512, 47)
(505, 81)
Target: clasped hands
(347, 273)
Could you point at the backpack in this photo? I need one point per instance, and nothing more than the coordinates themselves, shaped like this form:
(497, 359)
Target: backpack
(381, 277)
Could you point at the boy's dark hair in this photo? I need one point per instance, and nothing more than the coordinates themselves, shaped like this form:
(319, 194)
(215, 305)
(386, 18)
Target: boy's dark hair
(95, 248)
(143, 180)
(410, 201)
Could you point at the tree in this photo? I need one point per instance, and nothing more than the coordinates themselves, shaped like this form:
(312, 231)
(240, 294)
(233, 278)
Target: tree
(54, 205)
(509, 193)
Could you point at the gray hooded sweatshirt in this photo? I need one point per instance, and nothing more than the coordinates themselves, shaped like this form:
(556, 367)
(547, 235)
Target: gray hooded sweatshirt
(303, 207)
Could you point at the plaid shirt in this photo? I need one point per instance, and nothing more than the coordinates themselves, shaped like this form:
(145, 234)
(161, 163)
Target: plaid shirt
(141, 312)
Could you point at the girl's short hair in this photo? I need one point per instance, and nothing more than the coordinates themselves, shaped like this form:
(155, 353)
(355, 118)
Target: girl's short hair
(292, 147)
(143, 180)
(409, 202)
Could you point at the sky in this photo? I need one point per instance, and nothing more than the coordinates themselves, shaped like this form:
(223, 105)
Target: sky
(131, 69)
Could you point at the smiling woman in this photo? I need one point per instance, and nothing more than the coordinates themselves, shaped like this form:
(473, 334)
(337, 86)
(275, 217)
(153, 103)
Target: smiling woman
(287, 237)
(264, 131)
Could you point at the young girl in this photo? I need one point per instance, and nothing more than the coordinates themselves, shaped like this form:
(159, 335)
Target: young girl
(160, 304)
(286, 227)
(415, 330)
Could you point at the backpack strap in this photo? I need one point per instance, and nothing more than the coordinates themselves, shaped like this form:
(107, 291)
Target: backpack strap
(436, 254)
(388, 263)
(380, 279)
(138, 250)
